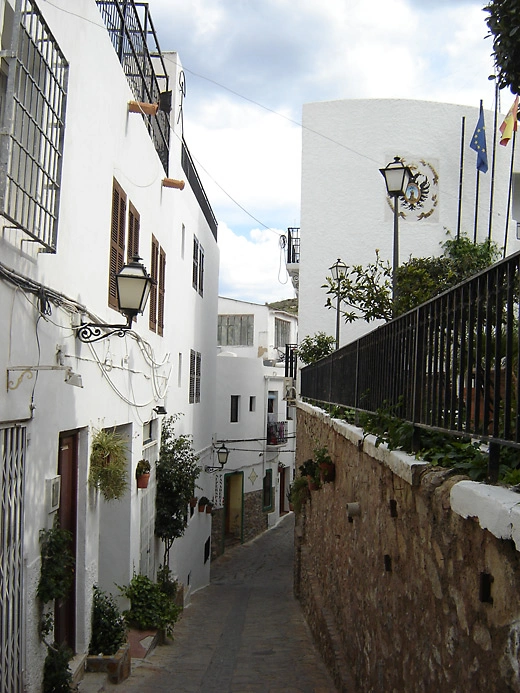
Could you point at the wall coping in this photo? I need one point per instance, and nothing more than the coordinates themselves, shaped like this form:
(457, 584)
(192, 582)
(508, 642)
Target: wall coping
(497, 508)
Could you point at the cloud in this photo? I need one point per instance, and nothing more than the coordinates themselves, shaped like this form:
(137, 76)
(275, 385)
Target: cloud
(252, 268)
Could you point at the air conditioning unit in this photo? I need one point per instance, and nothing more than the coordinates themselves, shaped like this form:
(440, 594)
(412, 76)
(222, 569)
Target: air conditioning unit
(289, 390)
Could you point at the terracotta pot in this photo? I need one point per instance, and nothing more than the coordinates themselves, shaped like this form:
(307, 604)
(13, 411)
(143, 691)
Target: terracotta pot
(193, 502)
(202, 508)
(313, 486)
(142, 480)
(209, 508)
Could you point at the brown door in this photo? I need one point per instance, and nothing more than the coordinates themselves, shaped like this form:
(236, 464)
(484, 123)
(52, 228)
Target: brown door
(65, 609)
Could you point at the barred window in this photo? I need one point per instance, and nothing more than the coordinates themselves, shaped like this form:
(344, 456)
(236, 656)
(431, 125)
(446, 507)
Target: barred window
(235, 330)
(198, 267)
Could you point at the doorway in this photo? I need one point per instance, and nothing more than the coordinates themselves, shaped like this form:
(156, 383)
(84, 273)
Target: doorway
(65, 609)
(233, 504)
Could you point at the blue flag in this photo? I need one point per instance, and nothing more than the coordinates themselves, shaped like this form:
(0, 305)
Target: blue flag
(478, 143)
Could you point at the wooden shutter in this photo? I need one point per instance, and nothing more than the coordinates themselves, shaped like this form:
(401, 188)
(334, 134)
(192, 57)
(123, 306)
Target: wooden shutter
(134, 222)
(201, 270)
(197, 377)
(153, 290)
(161, 288)
(117, 241)
(195, 274)
(192, 376)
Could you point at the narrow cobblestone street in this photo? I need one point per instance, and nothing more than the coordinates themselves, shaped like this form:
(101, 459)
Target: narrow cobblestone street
(244, 633)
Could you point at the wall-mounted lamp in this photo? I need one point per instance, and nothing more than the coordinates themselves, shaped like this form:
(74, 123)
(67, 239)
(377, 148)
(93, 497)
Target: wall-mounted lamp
(165, 101)
(143, 108)
(133, 284)
(173, 183)
(222, 457)
(160, 410)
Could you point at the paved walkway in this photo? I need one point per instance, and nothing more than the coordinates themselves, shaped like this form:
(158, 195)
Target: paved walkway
(244, 633)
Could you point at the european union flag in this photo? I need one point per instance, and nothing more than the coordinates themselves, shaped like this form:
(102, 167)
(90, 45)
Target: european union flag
(478, 143)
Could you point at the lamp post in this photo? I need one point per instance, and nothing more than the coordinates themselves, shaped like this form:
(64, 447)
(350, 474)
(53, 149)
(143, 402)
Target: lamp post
(133, 284)
(222, 457)
(337, 271)
(397, 177)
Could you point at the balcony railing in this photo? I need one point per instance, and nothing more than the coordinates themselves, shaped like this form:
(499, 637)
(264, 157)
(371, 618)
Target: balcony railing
(293, 246)
(277, 433)
(131, 31)
(452, 364)
(193, 179)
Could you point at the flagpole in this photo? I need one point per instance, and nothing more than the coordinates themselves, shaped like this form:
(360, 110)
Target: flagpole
(492, 190)
(509, 194)
(462, 129)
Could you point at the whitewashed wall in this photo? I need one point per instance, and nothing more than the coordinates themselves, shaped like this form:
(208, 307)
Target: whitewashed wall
(344, 210)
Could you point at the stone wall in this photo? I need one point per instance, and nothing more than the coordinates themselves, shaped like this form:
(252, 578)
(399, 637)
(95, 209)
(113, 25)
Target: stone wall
(408, 595)
(255, 519)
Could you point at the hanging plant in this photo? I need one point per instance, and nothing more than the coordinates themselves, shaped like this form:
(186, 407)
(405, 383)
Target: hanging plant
(108, 464)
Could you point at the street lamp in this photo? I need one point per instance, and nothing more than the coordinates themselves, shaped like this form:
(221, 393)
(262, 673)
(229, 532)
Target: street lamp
(133, 284)
(337, 271)
(222, 457)
(396, 176)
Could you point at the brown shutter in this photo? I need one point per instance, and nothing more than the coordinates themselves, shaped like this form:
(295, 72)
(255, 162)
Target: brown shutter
(134, 222)
(153, 290)
(161, 287)
(192, 376)
(117, 241)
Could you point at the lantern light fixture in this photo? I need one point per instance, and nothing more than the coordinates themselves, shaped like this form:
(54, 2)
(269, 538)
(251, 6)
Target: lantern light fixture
(133, 284)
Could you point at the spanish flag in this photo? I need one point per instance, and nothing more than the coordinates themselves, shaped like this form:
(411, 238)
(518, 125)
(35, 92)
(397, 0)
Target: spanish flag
(510, 124)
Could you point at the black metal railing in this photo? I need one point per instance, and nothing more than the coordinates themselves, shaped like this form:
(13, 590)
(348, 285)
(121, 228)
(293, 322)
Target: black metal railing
(451, 364)
(193, 179)
(293, 246)
(131, 31)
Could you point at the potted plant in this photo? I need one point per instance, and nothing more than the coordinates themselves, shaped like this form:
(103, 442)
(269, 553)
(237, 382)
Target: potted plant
(325, 464)
(203, 501)
(142, 473)
(108, 464)
(310, 470)
(209, 507)
(299, 493)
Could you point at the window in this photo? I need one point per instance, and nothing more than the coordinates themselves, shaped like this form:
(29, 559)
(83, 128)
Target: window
(195, 367)
(158, 274)
(179, 371)
(235, 330)
(282, 333)
(33, 126)
(267, 497)
(235, 403)
(252, 403)
(119, 241)
(198, 267)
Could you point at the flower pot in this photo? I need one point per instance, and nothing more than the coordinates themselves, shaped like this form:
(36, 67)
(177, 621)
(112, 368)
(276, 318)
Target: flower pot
(193, 502)
(202, 508)
(142, 480)
(313, 486)
(327, 471)
(209, 508)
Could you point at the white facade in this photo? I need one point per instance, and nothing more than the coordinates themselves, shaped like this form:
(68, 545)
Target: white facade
(251, 403)
(345, 212)
(46, 295)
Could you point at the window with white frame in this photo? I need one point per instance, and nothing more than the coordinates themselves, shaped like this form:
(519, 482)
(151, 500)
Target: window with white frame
(235, 408)
(198, 266)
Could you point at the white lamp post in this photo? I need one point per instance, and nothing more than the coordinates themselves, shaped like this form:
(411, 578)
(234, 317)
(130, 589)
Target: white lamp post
(338, 271)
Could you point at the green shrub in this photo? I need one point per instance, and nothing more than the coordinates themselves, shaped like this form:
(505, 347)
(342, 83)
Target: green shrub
(57, 677)
(150, 607)
(57, 564)
(108, 625)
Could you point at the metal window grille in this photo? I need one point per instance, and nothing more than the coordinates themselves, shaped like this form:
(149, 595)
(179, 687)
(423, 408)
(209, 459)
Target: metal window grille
(12, 449)
(31, 146)
(282, 333)
(134, 39)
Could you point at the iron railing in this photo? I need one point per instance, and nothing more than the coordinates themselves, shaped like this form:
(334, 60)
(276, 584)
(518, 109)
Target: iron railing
(293, 246)
(131, 30)
(451, 364)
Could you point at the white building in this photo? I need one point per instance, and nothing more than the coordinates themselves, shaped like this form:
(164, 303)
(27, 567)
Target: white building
(345, 212)
(255, 420)
(81, 191)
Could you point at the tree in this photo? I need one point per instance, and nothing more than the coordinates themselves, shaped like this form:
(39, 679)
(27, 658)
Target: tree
(367, 291)
(315, 347)
(504, 25)
(176, 475)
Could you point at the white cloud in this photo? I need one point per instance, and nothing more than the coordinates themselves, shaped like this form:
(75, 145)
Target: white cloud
(252, 268)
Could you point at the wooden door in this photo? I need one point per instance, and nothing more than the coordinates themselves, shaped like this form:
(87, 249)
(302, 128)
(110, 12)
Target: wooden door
(65, 609)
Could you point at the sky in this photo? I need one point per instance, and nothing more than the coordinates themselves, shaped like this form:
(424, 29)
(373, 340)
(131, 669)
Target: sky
(250, 65)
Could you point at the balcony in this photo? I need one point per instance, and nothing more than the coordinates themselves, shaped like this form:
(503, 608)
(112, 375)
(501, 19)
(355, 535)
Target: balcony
(293, 256)
(277, 433)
